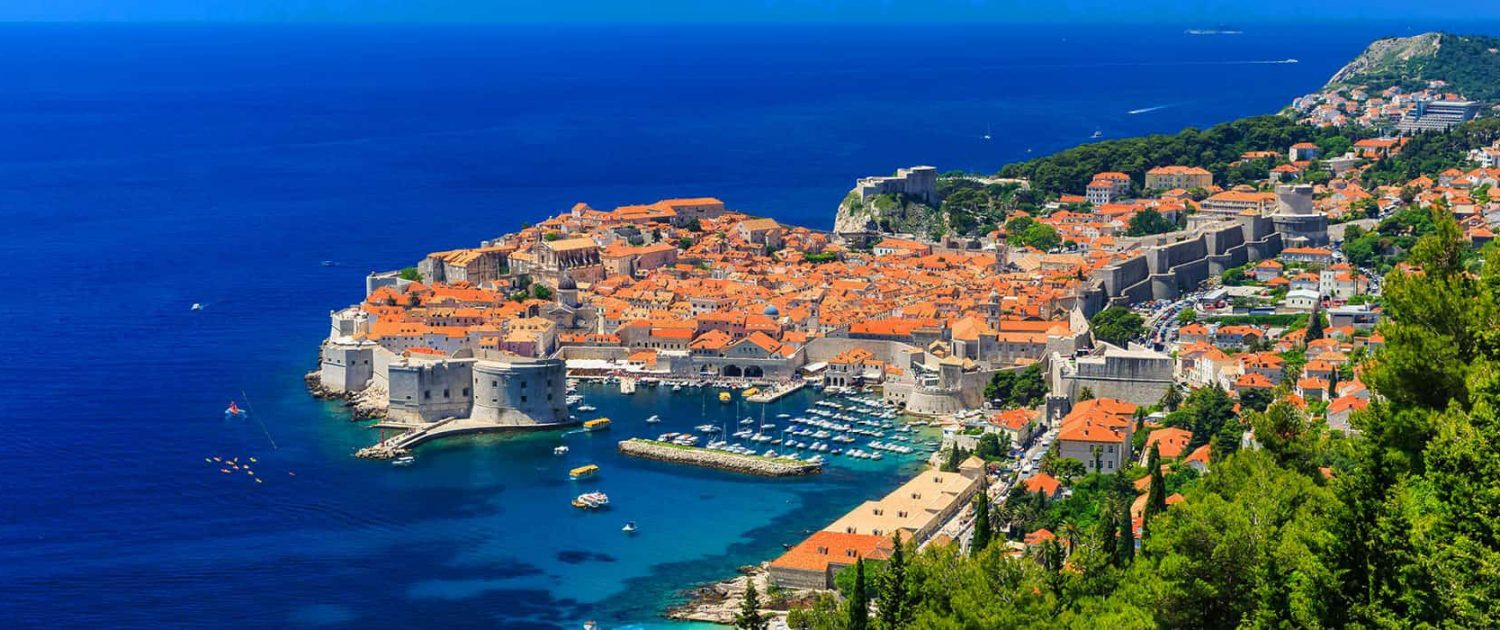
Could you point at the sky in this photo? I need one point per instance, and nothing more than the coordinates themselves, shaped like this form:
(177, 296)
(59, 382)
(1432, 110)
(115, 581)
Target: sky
(1209, 12)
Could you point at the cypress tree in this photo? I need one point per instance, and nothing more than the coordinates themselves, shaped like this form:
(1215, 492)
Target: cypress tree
(982, 532)
(1156, 495)
(859, 604)
(1314, 326)
(1127, 537)
(892, 599)
(1107, 531)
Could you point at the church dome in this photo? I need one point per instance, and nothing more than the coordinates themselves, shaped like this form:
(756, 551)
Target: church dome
(567, 284)
(771, 311)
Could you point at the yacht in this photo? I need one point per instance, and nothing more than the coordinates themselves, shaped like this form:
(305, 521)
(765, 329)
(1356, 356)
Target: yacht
(629, 527)
(653, 419)
(587, 408)
(197, 306)
(561, 450)
(402, 462)
(591, 500)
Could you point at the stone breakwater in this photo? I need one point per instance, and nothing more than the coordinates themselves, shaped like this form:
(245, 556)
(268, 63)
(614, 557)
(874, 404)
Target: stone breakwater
(733, 462)
(365, 405)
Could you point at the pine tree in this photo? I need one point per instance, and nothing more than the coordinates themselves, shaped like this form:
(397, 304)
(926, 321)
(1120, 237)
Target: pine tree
(749, 616)
(1127, 536)
(859, 603)
(892, 599)
(1085, 394)
(1156, 494)
(982, 532)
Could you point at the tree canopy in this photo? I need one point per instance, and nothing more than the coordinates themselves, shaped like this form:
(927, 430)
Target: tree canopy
(1117, 325)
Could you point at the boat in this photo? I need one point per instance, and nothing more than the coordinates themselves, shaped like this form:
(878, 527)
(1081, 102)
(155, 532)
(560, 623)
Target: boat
(583, 472)
(627, 386)
(196, 307)
(724, 397)
(329, 263)
(402, 462)
(587, 408)
(1097, 134)
(629, 527)
(750, 392)
(597, 424)
(986, 131)
(706, 428)
(653, 419)
(561, 450)
(234, 411)
(591, 500)
(677, 387)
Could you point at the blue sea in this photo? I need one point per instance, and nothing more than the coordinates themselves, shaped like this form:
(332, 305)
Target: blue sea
(146, 168)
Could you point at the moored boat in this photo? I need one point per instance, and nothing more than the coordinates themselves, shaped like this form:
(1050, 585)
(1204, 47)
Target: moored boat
(584, 471)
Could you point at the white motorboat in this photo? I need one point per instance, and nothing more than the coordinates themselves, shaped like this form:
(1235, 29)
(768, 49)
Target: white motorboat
(402, 462)
(561, 450)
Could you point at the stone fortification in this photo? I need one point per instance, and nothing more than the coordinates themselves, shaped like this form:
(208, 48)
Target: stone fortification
(733, 462)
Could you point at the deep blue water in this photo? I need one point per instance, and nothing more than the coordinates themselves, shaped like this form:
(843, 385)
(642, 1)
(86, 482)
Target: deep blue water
(146, 168)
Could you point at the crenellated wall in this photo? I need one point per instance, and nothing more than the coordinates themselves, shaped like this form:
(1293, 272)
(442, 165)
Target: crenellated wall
(1165, 269)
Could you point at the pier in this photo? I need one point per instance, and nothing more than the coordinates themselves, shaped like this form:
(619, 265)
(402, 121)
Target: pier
(415, 434)
(774, 393)
(708, 458)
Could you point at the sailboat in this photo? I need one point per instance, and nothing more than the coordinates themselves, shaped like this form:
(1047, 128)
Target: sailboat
(986, 131)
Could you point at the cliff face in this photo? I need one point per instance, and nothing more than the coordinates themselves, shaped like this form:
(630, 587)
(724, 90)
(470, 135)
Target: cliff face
(1386, 55)
(886, 213)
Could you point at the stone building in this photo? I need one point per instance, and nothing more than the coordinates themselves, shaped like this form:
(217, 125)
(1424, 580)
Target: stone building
(1138, 376)
(917, 181)
(1298, 222)
(1186, 177)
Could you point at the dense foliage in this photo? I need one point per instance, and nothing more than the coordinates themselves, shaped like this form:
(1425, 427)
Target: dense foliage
(1117, 325)
(1148, 222)
(1432, 152)
(1010, 388)
(1400, 532)
(1214, 148)
(1028, 232)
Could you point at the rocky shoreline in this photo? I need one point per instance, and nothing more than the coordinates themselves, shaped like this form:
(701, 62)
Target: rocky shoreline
(719, 602)
(748, 464)
(362, 405)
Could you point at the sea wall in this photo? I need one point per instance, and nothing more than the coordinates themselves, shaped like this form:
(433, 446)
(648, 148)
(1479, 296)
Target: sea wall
(733, 462)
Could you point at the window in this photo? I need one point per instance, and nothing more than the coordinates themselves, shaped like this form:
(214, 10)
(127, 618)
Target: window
(426, 394)
(523, 397)
(465, 392)
(879, 512)
(445, 393)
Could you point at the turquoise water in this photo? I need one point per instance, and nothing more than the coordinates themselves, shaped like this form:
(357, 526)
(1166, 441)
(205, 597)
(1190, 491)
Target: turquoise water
(695, 524)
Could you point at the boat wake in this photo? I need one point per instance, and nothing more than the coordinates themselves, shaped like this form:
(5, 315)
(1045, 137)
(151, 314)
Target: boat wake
(1144, 110)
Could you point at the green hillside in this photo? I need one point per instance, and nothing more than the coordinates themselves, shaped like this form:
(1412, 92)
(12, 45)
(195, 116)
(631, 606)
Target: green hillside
(1469, 63)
